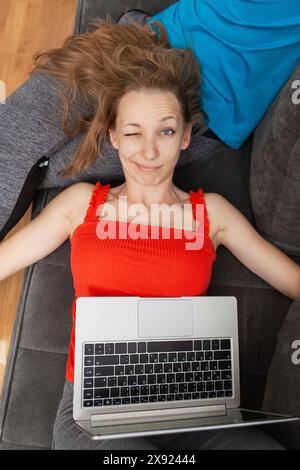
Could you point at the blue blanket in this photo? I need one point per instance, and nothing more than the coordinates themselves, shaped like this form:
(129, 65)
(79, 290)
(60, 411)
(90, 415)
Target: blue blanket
(246, 49)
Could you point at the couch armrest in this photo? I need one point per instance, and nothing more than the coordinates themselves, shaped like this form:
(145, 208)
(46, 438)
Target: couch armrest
(283, 382)
(275, 171)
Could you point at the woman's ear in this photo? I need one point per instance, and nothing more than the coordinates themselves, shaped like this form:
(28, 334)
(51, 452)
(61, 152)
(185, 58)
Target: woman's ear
(113, 139)
(186, 136)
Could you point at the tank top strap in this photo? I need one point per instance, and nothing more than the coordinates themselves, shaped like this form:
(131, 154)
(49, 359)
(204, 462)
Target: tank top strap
(198, 198)
(97, 199)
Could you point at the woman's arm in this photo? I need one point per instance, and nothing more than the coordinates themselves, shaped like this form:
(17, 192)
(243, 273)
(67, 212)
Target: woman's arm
(41, 236)
(256, 253)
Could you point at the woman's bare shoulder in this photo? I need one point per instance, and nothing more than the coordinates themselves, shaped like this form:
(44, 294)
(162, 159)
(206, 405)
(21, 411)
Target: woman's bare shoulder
(77, 197)
(213, 202)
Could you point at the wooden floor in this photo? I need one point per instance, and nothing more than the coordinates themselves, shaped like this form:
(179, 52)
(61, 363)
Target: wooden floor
(26, 27)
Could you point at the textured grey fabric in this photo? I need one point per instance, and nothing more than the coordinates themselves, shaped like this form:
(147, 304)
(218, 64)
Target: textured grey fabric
(284, 374)
(275, 171)
(66, 435)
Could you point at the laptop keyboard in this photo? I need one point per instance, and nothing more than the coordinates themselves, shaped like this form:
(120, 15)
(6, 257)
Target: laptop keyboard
(125, 373)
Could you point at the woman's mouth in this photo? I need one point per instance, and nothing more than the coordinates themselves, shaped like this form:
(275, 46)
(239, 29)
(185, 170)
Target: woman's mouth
(148, 169)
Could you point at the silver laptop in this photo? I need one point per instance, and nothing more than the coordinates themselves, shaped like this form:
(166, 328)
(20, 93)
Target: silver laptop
(146, 366)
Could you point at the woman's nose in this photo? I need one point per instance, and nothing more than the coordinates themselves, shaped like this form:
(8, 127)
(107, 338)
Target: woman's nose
(150, 150)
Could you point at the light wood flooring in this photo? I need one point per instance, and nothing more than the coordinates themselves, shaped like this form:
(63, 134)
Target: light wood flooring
(26, 27)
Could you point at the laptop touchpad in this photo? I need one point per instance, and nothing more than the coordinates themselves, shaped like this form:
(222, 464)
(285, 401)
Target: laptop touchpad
(167, 317)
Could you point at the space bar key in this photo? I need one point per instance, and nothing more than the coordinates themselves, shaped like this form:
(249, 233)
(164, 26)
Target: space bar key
(169, 346)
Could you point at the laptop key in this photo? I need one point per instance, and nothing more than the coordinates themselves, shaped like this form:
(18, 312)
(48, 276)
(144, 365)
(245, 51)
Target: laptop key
(121, 348)
(88, 349)
(161, 398)
(219, 355)
(153, 358)
(227, 384)
(88, 394)
(89, 361)
(117, 401)
(129, 370)
(135, 391)
(124, 359)
(154, 389)
(225, 344)
(144, 359)
(224, 365)
(101, 382)
(104, 371)
(152, 398)
(106, 360)
(99, 348)
(109, 348)
(206, 344)
(88, 383)
(119, 370)
(88, 372)
(142, 379)
(198, 345)
(132, 348)
(87, 403)
(169, 346)
(226, 375)
(98, 402)
(149, 369)
(172, 357)
(139, 369)
(132, 380)
(179, 396)
(163, 389)
(142, 347)
(102, 393)
(145, 390)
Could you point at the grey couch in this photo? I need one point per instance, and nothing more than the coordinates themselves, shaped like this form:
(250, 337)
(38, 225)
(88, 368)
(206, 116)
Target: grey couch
(268, 321)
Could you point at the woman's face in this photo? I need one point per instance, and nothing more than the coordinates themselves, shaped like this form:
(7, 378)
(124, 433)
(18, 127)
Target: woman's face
(149, 135)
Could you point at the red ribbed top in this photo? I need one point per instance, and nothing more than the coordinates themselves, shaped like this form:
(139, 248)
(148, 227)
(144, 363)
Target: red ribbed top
(144, 267)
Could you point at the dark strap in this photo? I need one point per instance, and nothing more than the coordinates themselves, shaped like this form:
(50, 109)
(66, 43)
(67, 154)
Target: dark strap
(27, 193)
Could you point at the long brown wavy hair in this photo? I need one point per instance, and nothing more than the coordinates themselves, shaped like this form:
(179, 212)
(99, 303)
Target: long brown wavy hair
(97, 68)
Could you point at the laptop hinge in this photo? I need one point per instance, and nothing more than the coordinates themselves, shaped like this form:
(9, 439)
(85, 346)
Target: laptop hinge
(164, 414)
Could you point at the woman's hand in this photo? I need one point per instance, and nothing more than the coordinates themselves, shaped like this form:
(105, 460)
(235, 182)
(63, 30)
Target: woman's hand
(256, 253)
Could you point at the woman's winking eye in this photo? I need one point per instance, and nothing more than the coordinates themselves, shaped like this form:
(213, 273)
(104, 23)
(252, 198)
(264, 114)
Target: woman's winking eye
(173, 132)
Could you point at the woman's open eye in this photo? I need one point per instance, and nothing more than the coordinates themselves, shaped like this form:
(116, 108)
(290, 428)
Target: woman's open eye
(173, 132)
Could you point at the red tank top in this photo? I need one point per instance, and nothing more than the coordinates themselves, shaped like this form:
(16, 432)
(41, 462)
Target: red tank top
(144, 267)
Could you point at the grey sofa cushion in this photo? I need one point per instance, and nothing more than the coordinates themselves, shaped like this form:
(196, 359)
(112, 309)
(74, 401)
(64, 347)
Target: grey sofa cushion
(283, 382)
(275, 171)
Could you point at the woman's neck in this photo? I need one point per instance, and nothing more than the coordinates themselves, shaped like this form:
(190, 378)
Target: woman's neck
(147, 195)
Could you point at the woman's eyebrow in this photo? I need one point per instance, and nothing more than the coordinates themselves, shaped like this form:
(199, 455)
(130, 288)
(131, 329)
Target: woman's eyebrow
(161, 120)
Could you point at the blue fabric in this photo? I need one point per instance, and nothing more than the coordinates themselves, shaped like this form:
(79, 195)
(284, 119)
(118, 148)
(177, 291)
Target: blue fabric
(246, 49)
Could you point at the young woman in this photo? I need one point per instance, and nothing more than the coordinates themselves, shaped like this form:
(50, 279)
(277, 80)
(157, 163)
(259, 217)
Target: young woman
(144, 98)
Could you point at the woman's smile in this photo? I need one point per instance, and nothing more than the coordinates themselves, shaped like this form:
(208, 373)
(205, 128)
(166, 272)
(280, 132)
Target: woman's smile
(147, 168)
